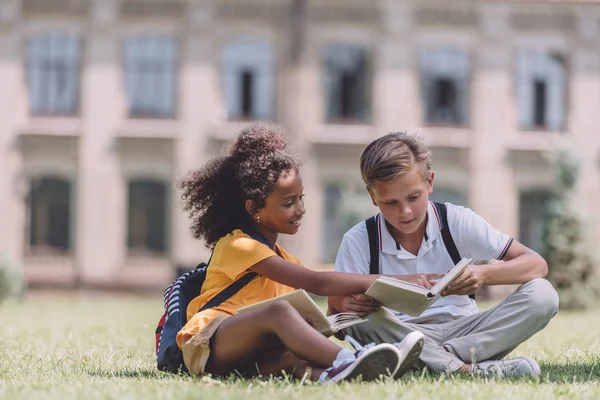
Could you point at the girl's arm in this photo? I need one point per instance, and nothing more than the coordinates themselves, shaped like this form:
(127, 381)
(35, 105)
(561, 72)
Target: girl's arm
(320, 283)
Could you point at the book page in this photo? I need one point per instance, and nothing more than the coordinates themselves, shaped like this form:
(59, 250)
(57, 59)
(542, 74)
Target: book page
(403, 284)
(302, 302)
(450, 276)
(400, 297)
(344, 320)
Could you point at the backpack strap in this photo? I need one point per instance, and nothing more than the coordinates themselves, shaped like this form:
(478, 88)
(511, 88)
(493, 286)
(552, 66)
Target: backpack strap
(229, 291)
(238, 285)
(447, 236)
(373, 232)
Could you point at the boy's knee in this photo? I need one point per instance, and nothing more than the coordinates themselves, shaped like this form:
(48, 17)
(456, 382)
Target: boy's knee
(543, 298)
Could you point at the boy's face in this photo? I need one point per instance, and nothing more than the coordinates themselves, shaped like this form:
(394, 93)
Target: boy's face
(403, 201)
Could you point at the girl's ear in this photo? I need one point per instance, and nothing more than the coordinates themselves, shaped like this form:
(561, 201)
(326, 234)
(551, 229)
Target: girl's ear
(251, 209)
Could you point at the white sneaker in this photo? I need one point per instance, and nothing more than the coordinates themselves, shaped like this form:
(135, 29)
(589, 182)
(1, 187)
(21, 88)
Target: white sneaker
(409, 348)
(371, 362)
(509, 368)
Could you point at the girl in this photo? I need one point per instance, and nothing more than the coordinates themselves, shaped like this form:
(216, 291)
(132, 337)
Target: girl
(257, 188)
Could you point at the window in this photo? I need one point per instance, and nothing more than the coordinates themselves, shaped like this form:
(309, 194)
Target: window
(150, 76)
(443, 195)
(347, 83)
(50, 214)
(248, 79)
(53, 74)
(344, 205)
(541, 90)
(147, 217)
(534, 209)
(445, 85)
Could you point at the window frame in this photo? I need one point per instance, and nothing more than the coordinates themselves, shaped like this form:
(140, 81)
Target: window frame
(363, 114)
(431, 72)
(43, 48)
(168, 72)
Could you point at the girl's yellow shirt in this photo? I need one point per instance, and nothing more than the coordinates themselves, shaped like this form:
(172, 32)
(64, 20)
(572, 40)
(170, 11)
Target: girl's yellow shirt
(232, 256)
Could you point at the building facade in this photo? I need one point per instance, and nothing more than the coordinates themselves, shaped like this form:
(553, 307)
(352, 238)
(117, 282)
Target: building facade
(105, 103)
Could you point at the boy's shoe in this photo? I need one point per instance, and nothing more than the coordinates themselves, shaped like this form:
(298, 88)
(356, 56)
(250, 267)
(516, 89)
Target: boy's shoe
(409, 348)
(509, 368)
(370, 362)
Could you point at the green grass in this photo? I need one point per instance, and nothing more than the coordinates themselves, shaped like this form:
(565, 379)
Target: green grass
(103, 348)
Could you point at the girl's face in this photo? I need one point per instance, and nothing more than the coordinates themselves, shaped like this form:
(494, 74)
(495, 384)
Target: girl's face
(403, 202)
(284, 207)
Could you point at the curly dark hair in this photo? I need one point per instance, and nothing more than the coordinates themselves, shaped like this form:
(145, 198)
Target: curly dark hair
(215, 195)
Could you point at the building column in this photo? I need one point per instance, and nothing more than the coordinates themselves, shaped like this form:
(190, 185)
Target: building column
(200, 113)
(101, 208)
(13, 108)
(584, 103)
(493, 192)
(396, 94)
(302, 116)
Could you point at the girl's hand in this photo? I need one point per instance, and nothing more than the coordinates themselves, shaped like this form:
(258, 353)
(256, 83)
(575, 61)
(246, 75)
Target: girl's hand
(425, 280)
(357, 303)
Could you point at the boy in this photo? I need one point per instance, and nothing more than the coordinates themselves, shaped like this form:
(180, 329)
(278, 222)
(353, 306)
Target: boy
(397, 171)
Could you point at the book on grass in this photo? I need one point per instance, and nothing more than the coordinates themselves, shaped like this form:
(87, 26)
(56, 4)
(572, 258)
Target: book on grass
(409, 298)
(308, 309)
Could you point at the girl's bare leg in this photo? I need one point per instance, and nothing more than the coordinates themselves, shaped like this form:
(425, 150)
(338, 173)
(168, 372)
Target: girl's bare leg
(242, 340)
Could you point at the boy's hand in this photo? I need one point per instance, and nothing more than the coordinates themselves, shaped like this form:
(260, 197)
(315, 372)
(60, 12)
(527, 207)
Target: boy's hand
(425, 280)
(357, 303)
(468, 282)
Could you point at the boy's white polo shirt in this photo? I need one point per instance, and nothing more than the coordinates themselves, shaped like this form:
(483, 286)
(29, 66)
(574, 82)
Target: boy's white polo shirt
(474, 238)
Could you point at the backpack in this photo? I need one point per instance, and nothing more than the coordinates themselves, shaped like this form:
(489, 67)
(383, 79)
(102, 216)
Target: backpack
(177, 296)
(373, 233)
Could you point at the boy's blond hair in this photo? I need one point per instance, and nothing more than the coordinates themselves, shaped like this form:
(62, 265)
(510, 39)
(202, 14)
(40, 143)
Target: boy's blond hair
(392, 155)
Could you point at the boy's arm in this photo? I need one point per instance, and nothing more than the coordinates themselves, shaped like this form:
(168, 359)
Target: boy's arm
(521, 265)
(353, 258)
(477, 239)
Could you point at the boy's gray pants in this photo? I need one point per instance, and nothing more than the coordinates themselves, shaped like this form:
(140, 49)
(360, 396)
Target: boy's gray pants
(491, 334)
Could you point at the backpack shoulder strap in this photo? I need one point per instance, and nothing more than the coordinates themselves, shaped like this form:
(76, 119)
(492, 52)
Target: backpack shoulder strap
(446, 236)
(373, 232)
(229, 291)
(238, 285)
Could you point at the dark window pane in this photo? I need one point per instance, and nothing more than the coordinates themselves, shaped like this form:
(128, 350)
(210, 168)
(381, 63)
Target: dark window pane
(539, 102)
(346, 82)
(534, 207)
(247, 86)
(444, 103)
(50, 213)
(147, 216)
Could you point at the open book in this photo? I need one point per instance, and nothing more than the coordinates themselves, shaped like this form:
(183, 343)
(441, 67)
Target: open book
(409, 298)
(301, 301)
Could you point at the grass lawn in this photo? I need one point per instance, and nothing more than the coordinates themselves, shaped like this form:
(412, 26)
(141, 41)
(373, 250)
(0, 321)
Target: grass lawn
(103, 348)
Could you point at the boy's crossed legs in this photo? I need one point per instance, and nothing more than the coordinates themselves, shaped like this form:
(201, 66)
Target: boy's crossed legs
(490, 335)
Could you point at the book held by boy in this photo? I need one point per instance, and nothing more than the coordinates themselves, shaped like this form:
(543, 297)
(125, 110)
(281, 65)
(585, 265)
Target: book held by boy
(308, 309)
(409, 298)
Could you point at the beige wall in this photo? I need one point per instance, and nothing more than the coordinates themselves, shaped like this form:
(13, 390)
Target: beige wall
(491, 160)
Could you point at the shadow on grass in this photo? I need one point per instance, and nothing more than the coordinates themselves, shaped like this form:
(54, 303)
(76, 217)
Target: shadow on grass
(135, 374)
(572, 371)
(584, 370)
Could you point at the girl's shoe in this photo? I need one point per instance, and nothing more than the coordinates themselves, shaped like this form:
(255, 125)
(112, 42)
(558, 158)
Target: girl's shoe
(369, 362)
